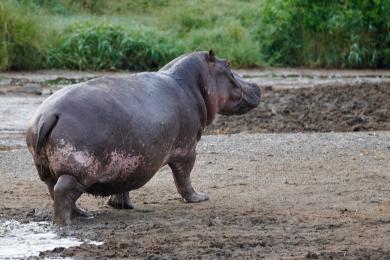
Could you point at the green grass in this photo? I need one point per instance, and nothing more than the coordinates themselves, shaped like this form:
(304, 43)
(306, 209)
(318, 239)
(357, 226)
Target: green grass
(20, 37)
(145, 34)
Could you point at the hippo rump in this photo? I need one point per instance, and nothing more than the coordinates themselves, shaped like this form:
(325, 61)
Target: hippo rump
(110, 135)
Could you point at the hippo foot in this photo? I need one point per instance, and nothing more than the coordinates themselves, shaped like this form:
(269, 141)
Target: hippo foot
(66, 191)
(196, 197)
(120, 201)
(77, 212)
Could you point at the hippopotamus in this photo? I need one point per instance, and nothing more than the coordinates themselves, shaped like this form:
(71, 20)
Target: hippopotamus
(110, 135)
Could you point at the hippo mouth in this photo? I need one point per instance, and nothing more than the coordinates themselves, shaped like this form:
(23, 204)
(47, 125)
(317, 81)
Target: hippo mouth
(253, 98)
(243, 107)
(250, 99)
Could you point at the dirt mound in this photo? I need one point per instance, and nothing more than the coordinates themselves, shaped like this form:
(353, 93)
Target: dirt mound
(315, 109)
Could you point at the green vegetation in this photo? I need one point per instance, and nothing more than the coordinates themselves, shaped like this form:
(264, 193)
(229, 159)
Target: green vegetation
(332, 33)
(145, 34)
(107, 47)
(20, 37)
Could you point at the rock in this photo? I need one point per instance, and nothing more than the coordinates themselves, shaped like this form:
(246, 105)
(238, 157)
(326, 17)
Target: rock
(28, 88)
(32, 88)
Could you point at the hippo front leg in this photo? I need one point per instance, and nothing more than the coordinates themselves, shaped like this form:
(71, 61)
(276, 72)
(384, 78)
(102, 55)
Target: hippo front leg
(181, 173)
(120, 201)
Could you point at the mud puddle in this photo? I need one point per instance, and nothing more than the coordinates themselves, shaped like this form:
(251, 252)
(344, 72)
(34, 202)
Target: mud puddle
(21, 240)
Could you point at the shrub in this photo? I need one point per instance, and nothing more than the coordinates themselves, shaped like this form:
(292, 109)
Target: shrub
(108, 47)
(330, 33)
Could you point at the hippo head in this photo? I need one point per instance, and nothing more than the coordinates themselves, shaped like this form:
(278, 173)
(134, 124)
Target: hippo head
(227, 92)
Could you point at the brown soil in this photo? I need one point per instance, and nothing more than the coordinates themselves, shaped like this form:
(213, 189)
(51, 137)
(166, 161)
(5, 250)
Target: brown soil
(272, 196)
(316, 109)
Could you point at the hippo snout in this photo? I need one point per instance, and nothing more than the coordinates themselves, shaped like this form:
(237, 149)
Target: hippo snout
(256, 90)
(253, 95)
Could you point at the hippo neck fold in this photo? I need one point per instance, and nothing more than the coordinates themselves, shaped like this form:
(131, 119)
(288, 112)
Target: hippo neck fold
(191, 72)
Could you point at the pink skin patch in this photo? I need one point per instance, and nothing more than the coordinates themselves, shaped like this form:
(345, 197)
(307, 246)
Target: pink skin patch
(181, 152)
(121, 165)
(65, 158)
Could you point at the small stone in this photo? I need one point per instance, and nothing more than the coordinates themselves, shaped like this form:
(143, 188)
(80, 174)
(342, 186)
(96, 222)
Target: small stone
(32, 88)
(312, 255)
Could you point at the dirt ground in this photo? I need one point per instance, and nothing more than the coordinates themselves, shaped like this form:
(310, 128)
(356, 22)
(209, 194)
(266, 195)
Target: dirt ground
(314, 109)
(272, 195)
(317, 195)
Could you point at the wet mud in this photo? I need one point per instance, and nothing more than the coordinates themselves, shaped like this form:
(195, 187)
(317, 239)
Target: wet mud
(292, 100)
(345, 108)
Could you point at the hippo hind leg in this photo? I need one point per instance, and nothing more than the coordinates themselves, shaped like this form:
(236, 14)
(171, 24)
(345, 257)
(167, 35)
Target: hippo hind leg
(50, 180)
(46, 176)
(181, 173)
(66, 191)
(120, 201)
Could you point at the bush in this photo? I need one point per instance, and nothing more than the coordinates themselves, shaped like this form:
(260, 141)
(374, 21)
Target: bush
(20, 41)
(108, 47)
(334, 33)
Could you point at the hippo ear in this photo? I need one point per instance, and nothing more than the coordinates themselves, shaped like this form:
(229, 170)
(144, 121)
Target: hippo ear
(211, 56)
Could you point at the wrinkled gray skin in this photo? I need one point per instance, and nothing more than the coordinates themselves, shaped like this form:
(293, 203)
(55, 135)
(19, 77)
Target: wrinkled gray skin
(110, 135)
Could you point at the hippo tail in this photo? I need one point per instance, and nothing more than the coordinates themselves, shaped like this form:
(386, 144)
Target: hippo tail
(45, 126)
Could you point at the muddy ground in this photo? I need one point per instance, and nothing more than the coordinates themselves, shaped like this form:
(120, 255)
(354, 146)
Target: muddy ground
(279, 195)
(315, 109)
(271, 195)
(292, 100)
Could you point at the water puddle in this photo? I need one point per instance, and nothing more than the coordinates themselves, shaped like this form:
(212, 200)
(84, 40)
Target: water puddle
(19, 240)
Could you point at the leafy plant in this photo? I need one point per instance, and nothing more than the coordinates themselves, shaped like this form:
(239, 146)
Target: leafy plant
(332, 33)
(108, 47)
